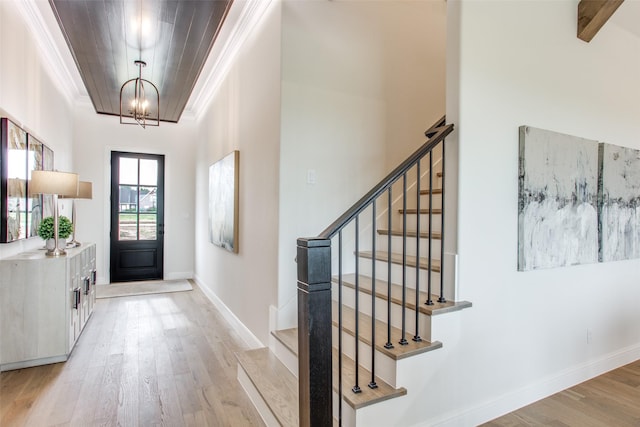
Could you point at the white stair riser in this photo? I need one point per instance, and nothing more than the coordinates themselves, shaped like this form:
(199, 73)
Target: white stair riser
(286, 356)
(382, 244)
(348, 413)
(258, 402)
(364, 304)
(385, 366)
(436, 221)
(436, 201)
(396, 275)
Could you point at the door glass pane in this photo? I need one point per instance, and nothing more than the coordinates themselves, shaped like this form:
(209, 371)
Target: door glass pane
(148, 172)
(128, 171)
(148, 201)
(127, 226)
(128, 198)
(148, 226)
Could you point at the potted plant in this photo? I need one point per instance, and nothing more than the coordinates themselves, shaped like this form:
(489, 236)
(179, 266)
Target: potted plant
(46, 231)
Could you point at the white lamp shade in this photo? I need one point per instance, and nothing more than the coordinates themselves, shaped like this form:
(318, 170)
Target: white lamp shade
(53, 182)
(85, 190)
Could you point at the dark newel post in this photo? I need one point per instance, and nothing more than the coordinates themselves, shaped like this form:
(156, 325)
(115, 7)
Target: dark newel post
(314, 332)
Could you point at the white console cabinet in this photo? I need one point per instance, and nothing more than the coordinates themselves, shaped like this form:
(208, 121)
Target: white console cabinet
(44, 305)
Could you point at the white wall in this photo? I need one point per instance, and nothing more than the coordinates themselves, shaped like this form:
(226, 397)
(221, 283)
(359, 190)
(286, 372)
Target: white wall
(244, 115)
(95, 136)
(520, 63)
(361, 83)
(30, 98)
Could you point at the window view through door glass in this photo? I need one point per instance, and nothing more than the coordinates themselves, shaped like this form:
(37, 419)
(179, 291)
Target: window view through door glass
(138, 186)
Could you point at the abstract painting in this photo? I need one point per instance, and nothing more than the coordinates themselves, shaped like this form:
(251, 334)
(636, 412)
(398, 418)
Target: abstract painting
(223, 202)
(557, 200)
(619, 203)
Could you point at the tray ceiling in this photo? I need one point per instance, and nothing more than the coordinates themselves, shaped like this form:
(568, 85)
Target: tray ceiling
(173, 37)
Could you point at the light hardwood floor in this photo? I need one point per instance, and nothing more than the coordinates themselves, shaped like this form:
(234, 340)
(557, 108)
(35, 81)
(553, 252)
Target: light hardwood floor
(612, 399)
(149, 360)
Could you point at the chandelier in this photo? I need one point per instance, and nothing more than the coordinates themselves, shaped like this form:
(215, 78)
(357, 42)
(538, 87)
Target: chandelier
(135, 106)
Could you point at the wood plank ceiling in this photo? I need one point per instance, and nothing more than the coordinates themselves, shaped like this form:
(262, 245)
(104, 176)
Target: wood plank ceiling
(173, 37)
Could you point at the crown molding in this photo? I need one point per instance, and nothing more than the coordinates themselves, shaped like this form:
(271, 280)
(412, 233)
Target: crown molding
(242, 22)
(49, 52)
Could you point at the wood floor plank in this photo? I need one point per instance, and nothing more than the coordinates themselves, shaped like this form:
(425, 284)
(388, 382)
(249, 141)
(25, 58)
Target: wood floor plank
(149, 360)
(612, 399)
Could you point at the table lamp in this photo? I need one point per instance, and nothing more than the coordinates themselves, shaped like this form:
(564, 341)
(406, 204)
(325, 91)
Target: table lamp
(57, 184)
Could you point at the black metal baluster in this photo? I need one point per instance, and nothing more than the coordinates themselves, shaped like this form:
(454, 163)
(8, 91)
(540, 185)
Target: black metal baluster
(429, 300)
(388, 344)
(373, 384)
(356, 388)
(442, 298)
(417, 337)
(403, 340)
(340, 328)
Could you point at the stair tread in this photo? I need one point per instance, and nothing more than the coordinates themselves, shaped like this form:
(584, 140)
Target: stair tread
(368, 396)
(288, 338)
(413, 211)
(396, 258)
(423, 234)
(277, 386)
(434, 191)
(396, 295)
(398, 351)
(359, 400)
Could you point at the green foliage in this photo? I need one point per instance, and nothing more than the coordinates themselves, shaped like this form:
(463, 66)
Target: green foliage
(45, 230)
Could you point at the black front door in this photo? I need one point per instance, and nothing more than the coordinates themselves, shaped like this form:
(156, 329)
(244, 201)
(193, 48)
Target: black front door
(137, 216)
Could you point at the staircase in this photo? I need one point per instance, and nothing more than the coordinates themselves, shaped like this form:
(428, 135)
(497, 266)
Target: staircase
(386, 287)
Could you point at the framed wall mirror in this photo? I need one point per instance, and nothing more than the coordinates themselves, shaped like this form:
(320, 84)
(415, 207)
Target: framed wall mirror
(21, 154)
(35, 162)
(13, 182)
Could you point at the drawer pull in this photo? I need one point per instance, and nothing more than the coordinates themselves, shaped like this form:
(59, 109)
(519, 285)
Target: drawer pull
(77, 292)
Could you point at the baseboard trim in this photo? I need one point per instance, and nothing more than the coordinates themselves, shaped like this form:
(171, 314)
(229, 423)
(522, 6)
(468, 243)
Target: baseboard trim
(31, 363)
(532, 393)
(245, 333)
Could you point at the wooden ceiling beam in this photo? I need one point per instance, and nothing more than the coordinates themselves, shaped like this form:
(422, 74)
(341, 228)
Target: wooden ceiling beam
(592, 15)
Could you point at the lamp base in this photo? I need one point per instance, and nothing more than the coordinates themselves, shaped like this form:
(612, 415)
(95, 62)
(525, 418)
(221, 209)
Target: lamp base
(56, 253)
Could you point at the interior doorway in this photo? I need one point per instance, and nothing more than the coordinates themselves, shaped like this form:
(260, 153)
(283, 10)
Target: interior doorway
(137, 216)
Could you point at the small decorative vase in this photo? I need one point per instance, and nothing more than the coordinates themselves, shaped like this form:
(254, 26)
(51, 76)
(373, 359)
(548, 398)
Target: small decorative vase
(50, 244)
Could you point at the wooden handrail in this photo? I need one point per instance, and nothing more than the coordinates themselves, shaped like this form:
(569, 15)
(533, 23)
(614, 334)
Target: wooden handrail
(439, 134)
